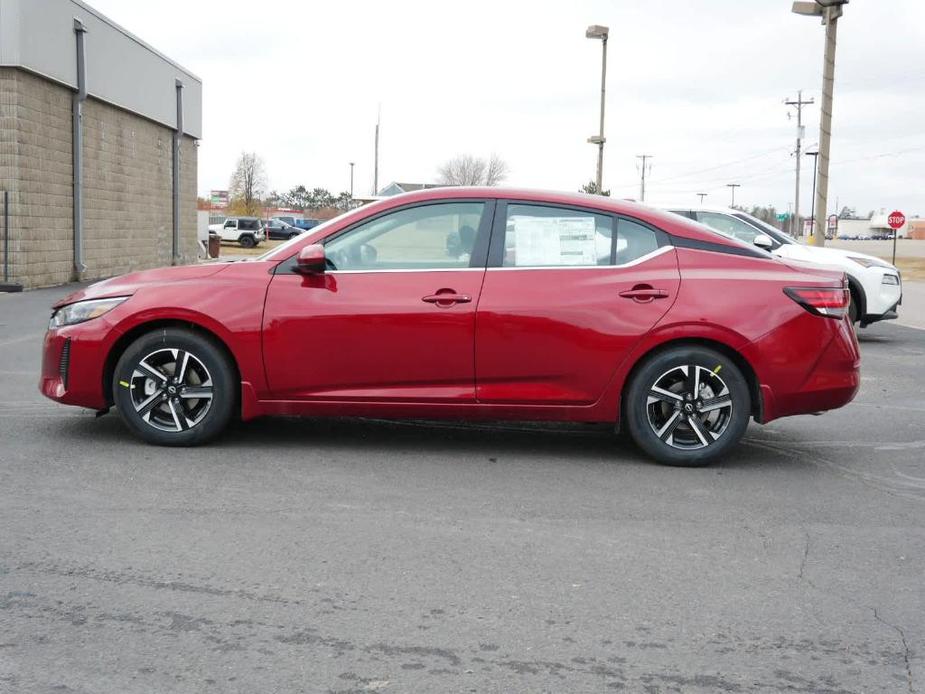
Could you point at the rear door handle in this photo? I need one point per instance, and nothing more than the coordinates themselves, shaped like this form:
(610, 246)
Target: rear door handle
(643, 293)
(446, 298)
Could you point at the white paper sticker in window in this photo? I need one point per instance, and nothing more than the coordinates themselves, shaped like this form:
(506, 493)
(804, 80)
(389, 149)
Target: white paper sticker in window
(554, 241)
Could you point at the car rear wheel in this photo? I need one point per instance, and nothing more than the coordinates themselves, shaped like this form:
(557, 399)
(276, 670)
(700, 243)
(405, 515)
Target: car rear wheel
(687, 406)
(292, 236)
(174, 387)
(247, 241)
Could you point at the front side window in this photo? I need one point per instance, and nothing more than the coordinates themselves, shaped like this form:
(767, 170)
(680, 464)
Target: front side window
(230, 224)
(539, 236)
(427, 237)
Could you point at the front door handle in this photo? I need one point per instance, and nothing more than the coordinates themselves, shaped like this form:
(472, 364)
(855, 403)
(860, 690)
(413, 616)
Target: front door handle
(643, 293)
(444, 298)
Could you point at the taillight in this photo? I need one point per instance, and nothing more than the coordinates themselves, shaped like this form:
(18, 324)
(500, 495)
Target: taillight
(831, 302)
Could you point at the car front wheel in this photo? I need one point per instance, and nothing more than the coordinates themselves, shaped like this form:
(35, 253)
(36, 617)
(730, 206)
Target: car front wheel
(174, 387)
(687, 406)
(247, 241)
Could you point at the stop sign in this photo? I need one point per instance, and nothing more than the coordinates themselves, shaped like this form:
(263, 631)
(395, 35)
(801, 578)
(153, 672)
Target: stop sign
(896, 220)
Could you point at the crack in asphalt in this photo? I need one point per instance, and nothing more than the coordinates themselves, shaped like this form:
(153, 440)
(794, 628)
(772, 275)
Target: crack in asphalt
(805, 554)
(906, 652)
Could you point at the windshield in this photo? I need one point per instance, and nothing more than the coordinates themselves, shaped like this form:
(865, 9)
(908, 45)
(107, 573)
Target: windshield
(766, 228)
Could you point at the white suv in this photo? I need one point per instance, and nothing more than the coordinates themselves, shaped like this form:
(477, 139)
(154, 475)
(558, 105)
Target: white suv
(876, 286)
(248, 231)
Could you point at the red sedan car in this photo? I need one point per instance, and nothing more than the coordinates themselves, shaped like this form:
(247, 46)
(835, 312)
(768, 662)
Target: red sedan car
(469, 303)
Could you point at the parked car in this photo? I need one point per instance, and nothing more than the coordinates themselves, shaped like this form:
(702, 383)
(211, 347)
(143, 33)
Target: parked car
(876, 286)
(306, 224)
(588, 309)
(248, 231)
(276, 228)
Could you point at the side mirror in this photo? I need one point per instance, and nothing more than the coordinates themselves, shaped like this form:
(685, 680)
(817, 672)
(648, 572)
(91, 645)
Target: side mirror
(311, 260)
(764, 241)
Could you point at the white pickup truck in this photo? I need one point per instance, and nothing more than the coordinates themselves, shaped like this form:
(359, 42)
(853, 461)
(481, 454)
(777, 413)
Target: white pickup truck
(248, 231)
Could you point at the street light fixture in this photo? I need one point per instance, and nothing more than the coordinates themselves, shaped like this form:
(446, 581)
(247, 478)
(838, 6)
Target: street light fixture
(596, 31)
(829, 11)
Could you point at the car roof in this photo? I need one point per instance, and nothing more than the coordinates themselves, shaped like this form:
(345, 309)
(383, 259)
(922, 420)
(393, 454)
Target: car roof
(663, 219)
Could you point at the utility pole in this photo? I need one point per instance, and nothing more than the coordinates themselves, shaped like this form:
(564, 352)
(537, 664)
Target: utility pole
(642, 183)
(702, 196)
(799, 103)
(829, 11)
(732, 187)
(351, 179)
(376, 154)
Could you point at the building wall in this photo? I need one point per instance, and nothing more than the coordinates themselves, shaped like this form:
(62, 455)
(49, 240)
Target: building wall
(35, 167)
(127, 185)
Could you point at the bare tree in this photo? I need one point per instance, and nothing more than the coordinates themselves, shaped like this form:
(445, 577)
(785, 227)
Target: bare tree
(248, 182)
(497, 170)
(469, 170)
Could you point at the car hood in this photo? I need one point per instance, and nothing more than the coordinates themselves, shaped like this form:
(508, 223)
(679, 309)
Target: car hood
(827, 255)
(125, 285)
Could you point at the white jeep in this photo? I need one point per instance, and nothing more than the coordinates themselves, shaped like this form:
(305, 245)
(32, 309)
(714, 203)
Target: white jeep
(248, 231)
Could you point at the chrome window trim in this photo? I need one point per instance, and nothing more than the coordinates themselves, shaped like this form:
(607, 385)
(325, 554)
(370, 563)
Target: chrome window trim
(641, 259)
(394, 270)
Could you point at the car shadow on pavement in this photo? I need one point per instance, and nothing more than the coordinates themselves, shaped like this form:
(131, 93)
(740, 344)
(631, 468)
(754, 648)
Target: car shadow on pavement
(290, 437)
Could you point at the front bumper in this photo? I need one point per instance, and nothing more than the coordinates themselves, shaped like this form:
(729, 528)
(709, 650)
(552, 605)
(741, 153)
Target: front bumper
(73, 363)
(883, 291)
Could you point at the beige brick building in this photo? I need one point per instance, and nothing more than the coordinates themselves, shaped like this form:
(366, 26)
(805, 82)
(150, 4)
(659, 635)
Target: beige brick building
(120, 124)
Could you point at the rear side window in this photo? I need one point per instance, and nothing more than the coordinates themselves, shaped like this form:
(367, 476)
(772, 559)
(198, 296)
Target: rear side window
(539, 236)
(633, 241)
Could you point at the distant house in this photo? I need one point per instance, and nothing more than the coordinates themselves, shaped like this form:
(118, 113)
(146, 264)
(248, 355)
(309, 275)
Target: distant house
(395, 188)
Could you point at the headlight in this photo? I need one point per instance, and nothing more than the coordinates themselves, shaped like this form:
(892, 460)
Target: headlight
(890, 279)
(83, 311)
(869, 262)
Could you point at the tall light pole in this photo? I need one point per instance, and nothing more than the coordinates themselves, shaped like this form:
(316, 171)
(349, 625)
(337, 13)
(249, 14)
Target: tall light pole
(812, 214)
(702, 196)
(829, 11)
(732, 187)
(351, 179)
(596, 31)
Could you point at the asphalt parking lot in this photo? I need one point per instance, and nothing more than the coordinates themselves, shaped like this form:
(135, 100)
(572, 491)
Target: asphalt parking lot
(357, 555)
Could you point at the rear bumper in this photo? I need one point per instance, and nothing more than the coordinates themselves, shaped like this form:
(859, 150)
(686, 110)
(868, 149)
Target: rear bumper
(821, 372)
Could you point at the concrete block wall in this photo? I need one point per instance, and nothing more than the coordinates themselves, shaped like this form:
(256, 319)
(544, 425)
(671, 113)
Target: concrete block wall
(127, 185)
(35, 167)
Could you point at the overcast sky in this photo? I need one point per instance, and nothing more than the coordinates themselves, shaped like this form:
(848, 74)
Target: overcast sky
(697, 84)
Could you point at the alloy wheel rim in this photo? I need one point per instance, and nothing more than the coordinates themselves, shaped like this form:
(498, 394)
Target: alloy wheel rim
(689, 407)
(171, 390)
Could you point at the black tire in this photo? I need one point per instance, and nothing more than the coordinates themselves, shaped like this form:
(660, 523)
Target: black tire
(853, 310)
(179, 419)
(690, 436)
(247, 241)
(292, 236)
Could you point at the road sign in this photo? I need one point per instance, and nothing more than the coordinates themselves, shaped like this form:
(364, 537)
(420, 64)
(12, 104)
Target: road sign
(896, 221)
(782, 217)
